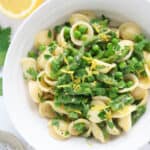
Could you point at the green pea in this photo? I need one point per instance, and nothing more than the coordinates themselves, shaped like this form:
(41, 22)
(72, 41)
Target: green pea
(84, 37)
(77, 34)
(95, 47)
(42, 47)
(122, 65)
(121, 84)
(118, 75)
(66, 30)
(83, 29)
(129, 83)
(70, 59)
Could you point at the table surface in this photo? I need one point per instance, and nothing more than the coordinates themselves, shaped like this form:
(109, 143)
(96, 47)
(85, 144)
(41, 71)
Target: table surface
(5, 123)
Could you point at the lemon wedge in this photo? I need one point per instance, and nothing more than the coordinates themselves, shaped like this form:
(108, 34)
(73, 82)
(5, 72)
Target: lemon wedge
(18, 8)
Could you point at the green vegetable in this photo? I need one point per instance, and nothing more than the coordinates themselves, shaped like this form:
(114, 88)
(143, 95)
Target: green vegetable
(55, 122)
(138, 113)
(1, 89)
(83, 29)
(80, 128)
(32, 54)
(33, 73)
(42, 48)
(49, 33)
(77, 34)
(73, 115)
(4, 43)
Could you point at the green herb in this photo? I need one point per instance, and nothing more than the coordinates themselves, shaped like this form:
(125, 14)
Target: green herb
(42, 48)
(73, 115)
(55, 122)
(32, 54)
(80, 128)
(47, 56)
(4, 43)
(33, 73)
(1, 89)
(49, 33)
(110, 124)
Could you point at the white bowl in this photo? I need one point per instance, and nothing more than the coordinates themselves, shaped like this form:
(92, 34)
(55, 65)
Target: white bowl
(24, 113)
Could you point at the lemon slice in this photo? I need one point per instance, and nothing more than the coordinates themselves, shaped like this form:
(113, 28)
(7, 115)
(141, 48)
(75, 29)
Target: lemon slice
(18, 8)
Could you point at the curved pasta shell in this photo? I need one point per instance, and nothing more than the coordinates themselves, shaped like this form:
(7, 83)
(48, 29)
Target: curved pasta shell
(41, 61)
(58, 51)
(133, 78)
(43, 85)
(45, 110)
(60, 39)
(49, 81)
(42, 38)
(147, 58)
(79, 17)
(113, 130)
(59, 132)
(58, 109)
(97, 133)
(129, 30)
(94, 111)
(28, 63)
(96, 100)
(144, 82)
(89, 13)
(34, 91)
(106, 66)
(140, 94)
(130, 44)
(72, 130)
(125, 123)
(126, 110)
(90, 33)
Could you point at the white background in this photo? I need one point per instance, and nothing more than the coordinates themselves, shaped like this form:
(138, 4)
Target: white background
(5, 123)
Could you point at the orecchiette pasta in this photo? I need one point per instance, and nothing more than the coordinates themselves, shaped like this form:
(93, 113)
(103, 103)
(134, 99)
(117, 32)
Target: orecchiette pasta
(43, 38)
(129, 30)
(89, 77)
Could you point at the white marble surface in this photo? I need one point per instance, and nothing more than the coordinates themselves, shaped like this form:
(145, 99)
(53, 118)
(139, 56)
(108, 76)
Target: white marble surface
(5, 123)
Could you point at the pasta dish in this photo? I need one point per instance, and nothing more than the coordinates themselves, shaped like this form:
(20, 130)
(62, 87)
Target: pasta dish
(89, 77)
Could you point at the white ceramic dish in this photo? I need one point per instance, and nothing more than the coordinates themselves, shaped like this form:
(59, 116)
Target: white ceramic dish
(24, 113)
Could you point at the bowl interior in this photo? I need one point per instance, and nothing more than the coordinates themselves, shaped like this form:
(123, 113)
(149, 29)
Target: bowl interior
(24, 112)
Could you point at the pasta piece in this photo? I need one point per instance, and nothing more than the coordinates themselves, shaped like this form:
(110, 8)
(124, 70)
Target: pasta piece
(61, 39)
(130, 45)
(89, 33)
(76, 130)
(82, 16)
(144, 82)
(27, 64)
(60, 130)
(42, 38)
(58, 109)
(105, 66)
(49, 81)
(43, 85)
(58, 51)
(96, 100)
(45, 110)
(34, 91)
(140, 94)
(147, 59)
(125, 123)
(113, 130)
(126, 110)
(97, 133)
(129, 30)
(41, 60)
(94, 112)
(135, 80)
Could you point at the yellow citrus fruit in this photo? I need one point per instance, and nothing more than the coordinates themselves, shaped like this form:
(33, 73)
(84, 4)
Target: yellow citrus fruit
(18, 8)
